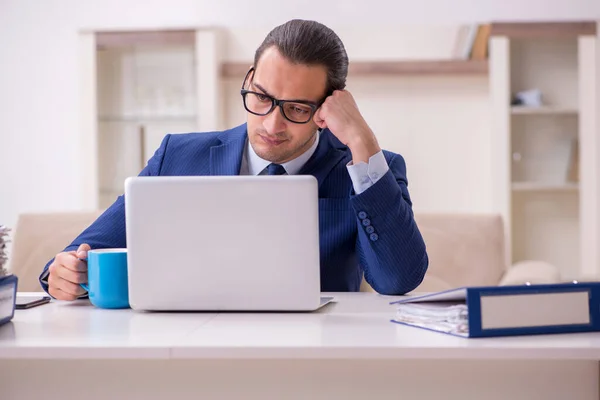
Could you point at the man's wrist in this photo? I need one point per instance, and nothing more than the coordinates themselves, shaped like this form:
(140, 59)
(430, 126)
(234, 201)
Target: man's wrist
(363, 148)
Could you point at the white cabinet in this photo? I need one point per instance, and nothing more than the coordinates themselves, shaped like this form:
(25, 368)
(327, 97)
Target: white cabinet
(544, 88)
(136, 88)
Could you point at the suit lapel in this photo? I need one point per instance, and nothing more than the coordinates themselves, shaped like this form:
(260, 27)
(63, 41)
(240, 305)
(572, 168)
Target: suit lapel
(226, 158)
(328, 154)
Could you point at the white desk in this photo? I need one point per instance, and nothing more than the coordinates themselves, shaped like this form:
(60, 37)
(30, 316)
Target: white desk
(347, 350)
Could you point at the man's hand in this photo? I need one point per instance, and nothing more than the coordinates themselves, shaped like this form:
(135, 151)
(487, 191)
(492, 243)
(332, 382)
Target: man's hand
(67, 271)
(340, 114)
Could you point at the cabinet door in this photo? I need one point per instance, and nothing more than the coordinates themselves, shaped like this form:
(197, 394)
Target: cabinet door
(144, 92)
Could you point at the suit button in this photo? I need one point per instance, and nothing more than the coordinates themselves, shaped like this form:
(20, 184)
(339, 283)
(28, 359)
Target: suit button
(374, 237)
(362, 215)
(366, 222)
(370, 229)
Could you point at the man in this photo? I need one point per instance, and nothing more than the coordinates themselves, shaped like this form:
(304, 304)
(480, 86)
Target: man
(300, 121)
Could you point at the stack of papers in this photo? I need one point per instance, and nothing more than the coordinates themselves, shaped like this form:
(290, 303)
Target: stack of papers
(3, 245)
(444, 317)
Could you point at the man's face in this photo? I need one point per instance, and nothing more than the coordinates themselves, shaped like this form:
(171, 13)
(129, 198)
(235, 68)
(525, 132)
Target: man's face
(272, 136)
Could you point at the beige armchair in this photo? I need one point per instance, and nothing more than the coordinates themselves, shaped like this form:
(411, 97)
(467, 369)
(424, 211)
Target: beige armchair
(463, 249)
(469, 250)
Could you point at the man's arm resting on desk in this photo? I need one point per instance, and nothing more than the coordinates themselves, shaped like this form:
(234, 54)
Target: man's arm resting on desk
(390, 247)
(108, 231)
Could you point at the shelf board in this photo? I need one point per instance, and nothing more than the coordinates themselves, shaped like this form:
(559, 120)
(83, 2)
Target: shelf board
(544, 187)
(568, 29)
(543, 110)
(371, 68)
(130, 39)
(146, 118)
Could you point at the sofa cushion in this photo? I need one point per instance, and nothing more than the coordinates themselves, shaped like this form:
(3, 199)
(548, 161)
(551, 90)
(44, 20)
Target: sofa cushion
(463, 249)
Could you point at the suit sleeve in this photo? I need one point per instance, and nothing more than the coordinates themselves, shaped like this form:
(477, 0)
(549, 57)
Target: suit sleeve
(390, 247)
(108, 231)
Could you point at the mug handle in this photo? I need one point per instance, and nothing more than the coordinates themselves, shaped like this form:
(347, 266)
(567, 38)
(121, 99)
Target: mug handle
(84, 285)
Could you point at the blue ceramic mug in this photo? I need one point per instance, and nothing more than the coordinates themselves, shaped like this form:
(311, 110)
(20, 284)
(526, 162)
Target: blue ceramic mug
(107, 285)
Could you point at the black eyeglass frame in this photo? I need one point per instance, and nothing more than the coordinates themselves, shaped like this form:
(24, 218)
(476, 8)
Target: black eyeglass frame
(276, 102)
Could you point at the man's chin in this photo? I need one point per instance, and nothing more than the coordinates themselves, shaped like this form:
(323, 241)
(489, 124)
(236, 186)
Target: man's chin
(268, 152)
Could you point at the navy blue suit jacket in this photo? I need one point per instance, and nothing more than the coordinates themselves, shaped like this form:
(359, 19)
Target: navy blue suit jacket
(372, 233)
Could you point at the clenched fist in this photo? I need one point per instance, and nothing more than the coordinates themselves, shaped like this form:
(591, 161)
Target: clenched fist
(341, 115)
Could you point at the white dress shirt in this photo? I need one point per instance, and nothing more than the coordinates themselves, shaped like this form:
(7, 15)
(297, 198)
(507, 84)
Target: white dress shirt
(363, 175)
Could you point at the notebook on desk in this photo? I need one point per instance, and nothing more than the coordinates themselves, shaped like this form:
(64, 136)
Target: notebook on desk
(504, 310)
(8, 293)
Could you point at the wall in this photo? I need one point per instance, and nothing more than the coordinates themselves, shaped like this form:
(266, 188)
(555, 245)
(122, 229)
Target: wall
(39, 86)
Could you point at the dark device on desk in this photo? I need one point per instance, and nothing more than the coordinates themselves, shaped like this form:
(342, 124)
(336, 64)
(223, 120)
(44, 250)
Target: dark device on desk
(30, 302)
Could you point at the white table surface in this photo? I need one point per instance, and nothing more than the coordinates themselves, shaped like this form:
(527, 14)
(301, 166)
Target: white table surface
(356, 326)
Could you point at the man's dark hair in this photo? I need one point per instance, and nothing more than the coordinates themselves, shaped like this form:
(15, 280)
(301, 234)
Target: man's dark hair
(310, 43)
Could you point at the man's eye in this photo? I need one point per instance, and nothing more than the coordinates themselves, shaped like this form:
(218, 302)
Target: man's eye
(299, 110)
(262, 97)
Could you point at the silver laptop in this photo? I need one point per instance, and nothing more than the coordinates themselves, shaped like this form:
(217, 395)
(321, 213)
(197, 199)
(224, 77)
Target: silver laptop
(223, 243)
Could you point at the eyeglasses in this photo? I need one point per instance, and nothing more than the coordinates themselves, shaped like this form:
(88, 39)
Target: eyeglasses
(296, 111)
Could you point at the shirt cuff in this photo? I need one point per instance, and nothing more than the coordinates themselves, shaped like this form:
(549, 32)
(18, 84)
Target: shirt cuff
(44, 277)
(365, 175)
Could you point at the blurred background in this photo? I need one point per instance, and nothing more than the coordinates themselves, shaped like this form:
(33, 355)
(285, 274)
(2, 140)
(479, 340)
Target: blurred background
(493, 103)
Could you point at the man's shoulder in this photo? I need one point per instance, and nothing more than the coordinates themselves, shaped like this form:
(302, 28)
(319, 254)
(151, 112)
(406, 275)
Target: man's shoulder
(208, 138)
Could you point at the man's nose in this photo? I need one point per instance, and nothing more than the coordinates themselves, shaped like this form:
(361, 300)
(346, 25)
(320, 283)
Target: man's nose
(274, 122)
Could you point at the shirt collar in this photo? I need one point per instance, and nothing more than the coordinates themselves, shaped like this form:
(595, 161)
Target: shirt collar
(256, 164)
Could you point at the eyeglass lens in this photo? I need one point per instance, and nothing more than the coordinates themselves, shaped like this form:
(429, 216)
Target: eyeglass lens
(262, 105)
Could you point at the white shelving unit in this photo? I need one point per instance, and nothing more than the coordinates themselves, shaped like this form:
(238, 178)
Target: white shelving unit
(546, 156)
(138, 86)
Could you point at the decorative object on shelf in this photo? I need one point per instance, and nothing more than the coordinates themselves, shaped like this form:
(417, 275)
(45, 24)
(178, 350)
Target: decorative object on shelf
(529, 98)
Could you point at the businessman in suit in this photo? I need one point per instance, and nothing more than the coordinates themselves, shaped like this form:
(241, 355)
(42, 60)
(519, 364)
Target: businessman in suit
(300, 120)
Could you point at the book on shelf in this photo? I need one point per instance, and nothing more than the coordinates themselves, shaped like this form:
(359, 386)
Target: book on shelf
(480, 50)
(485, 311)
(472, 42)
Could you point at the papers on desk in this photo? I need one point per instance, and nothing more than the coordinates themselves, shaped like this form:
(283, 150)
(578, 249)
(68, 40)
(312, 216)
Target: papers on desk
(3, 243)
(8, 283)
(453, 318)
(505, 310)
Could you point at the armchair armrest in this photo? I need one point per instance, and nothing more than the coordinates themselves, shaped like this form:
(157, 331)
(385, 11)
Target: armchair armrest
(534, 272)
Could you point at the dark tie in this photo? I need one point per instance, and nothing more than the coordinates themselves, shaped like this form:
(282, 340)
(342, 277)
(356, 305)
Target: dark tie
(275, 169)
